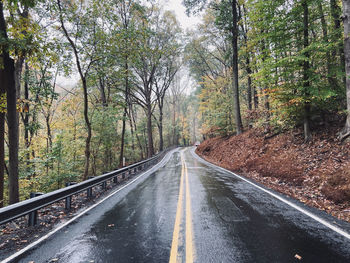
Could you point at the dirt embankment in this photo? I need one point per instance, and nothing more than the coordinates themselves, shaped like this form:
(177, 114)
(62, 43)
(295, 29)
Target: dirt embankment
(316, 173)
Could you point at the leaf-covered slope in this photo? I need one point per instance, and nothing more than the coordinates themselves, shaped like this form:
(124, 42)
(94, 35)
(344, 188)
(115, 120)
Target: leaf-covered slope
(316, 173)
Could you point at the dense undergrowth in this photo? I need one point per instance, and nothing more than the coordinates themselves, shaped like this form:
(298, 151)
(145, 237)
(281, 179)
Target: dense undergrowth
(317, 173)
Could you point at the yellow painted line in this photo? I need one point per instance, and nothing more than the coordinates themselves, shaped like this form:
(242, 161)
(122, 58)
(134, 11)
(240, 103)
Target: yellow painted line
(175, 242)
(189, 236)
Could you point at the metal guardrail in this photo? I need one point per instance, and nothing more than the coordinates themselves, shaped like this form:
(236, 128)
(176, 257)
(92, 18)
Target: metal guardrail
(30, 206)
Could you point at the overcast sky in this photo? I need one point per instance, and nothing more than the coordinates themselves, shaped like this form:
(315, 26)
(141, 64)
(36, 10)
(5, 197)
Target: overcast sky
(187, 23)
(180, 11)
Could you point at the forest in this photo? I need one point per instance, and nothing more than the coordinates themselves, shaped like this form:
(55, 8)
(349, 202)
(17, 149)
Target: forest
(139, 83)
(121, 57)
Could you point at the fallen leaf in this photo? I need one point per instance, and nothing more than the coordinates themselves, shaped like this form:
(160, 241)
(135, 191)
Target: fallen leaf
(110, 225)
(298, 257)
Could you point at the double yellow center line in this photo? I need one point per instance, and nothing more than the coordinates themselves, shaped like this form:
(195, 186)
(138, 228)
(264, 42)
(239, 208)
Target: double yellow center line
(174, 255)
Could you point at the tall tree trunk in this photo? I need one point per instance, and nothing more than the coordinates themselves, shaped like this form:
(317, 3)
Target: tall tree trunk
(256, 98)
(161, 140)
(346, 17)
(306, 68)
(126, 68)
(175, 141)
(133, 120)
(237, 108)
(132, 133)
(12, 116)
(88, 126)
(249, 89)
(102, 92)
(86, 98)
(265, 88)
(26, 117)
(2, 134)
(336, 13)
(12, 122)
(18, 75)
(160, 102)
(330, 75)
(48, 133)
(150, 149)
(248, 68)
(121, 156)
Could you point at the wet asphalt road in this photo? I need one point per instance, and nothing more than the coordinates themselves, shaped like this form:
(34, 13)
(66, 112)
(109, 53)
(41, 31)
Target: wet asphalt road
(224, 220)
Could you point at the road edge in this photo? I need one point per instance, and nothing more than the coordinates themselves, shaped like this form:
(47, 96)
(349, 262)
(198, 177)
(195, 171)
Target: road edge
(315, 217)
(59, 227)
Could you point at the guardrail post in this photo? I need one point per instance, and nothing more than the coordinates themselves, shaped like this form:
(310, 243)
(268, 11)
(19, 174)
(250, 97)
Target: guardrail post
(115, 179)
(33, 216)
(69, 198)
(104, 184)
(89, 190)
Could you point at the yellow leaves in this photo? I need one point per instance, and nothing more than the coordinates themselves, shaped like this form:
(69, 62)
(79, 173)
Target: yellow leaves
(23, 105)
(295, 101)
(3, 103)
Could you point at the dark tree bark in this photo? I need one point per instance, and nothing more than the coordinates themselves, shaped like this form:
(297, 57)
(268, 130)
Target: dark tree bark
(346, 17)
(330, 74)
(161, 140)
(306, 69)
(122, 142)
(255, 97)
(175, 141)
(249, 88)
(265, 88)
(125, 114)
(133, 121)
(162, 84)
(102, 93)
(2, 134)
(26, 117)
(88, 126)
(150, 148)
(237, 108)
(132, 134)
(247, 58)
(146, 103)
(336, 15)
(12, 116)
(160, 100)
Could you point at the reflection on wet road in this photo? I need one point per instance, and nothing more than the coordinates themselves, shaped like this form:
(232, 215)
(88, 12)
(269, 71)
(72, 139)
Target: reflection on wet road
(188, 211)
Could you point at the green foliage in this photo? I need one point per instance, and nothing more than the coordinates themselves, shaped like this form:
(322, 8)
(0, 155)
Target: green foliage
(271, 39)
(278, 26)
